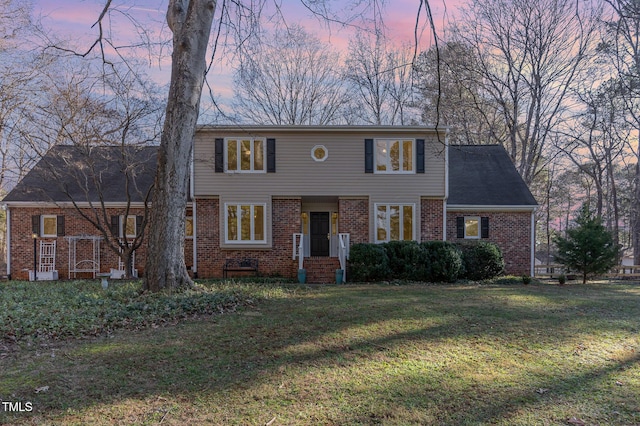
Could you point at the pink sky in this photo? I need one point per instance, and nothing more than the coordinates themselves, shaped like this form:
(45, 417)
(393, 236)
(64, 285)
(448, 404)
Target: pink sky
(72, 20)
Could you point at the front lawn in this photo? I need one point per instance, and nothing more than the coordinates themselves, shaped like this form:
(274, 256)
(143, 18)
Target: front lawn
(345, 355)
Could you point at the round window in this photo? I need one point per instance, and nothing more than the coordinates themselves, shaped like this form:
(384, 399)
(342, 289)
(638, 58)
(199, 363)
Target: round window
(319, 153)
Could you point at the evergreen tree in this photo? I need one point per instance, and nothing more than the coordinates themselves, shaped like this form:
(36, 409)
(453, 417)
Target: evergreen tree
(588, 247)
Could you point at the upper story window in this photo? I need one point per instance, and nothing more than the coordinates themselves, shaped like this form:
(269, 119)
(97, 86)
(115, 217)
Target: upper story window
(245, 155)
(395, 156)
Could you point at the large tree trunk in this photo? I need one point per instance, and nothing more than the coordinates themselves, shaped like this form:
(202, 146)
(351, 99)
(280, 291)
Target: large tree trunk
(190, 21)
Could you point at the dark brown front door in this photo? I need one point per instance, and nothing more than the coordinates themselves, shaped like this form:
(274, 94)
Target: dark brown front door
(319, 234)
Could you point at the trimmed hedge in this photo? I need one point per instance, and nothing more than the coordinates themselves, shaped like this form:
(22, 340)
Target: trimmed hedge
(432, 261)
(445, 261)
(368, 262)
(482, 260)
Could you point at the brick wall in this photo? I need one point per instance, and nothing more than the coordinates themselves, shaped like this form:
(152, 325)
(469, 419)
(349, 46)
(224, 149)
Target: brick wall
(354, 219)
(22, 242)
(274, 261)
(431, 212)
(509, 230)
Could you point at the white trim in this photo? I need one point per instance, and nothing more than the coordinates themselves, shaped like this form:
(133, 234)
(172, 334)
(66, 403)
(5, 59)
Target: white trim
(192, 185)
(388, 221)
(444, 221)
(8, 242)
(194, 267)
(313, 151)
(533, 244)
(473, 237)
(55, 231)
(239, 141)
(400, 141)
(238, 224)
(68, 204)
(489, 208)
(324, 129)
(123, 226)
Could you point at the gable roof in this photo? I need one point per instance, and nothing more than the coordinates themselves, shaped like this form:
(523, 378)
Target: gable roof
(82, 174)
(483, 175)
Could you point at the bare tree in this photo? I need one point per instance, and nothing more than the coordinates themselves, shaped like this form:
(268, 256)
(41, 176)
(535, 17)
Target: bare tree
(529, 54)
(102, 127)
(622, 45)
(289, 78)
(454, 97)
(380, 79)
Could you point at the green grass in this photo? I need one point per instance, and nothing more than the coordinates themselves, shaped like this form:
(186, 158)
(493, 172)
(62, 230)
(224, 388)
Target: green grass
(500, 353)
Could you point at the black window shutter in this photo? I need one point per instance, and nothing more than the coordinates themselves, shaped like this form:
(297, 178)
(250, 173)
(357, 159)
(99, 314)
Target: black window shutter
(271, 155)
(139, 224)
(368, 155)
(35, 224)
(419, 155)
(60, 226)
(484, 227)
(219, 155)
(115, 226)
(460, 227)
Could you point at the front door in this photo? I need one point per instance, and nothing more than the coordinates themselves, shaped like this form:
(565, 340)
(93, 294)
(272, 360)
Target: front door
(319, 234)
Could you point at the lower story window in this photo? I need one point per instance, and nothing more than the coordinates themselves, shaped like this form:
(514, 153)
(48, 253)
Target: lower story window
(394, 222)
(245, 223)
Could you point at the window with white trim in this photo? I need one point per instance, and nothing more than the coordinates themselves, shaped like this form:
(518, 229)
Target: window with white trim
(245, 223)
(49, 225)
(245, 155)
(188, 227)
(130, 227)
(394, 222)
(472, 227)
(395, 156)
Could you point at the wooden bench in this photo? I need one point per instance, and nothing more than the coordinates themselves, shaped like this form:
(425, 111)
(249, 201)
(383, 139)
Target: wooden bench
(239, 265)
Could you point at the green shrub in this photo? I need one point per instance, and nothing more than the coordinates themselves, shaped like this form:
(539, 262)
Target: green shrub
(444, 261)
(407, 260)
(368, 262)
(482, 260)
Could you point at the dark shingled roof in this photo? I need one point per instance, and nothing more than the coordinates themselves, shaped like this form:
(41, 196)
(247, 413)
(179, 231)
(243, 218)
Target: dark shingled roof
(67, 173)
(484, 175)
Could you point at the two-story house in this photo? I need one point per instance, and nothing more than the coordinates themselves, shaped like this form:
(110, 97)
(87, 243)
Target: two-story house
(291, 196)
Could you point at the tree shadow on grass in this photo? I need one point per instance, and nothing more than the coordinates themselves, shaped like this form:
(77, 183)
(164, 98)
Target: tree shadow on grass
(322, 329)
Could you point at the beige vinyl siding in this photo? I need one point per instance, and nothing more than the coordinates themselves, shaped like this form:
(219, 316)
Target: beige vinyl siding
(341, 174)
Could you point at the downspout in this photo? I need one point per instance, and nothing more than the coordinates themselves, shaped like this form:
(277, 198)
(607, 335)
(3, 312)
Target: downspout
(533, 242)
(446, 187)
(194, 268)
(8, 241)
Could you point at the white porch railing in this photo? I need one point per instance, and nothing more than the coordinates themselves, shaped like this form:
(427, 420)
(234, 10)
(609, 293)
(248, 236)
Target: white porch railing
(298, 249)
(343, 253)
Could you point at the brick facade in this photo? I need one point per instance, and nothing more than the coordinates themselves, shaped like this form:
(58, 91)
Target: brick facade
(431, 219)
(509, 230)
(275, 261)
(353, 218)
(22, 243)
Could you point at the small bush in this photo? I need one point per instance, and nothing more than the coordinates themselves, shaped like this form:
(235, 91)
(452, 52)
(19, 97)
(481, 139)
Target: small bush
(482, 260)
(444, 260)
(368, 262)
(407, 260)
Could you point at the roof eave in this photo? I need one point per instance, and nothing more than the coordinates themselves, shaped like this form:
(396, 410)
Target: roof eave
(491, 208)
